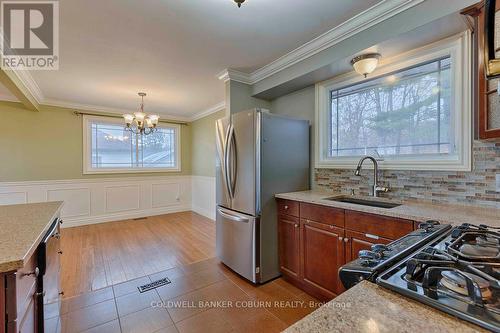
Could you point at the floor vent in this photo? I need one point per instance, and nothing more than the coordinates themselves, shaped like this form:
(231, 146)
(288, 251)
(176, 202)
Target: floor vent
(153, 285)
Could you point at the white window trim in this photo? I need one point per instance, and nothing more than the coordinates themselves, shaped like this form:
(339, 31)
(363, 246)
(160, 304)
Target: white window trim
(458, 47)
(87, 146)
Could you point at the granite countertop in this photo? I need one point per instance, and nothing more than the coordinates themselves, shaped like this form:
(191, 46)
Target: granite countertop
(368, 307)
(446, 214)
(22, 228)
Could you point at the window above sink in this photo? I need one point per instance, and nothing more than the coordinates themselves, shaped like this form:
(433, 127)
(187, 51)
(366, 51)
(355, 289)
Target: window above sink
(413, 112)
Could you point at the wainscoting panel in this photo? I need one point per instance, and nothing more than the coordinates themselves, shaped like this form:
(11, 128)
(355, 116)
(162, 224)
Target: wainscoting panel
(203, 197)
(76, 201)
(12, 198)
(165, 195)
(122, 198)
(88, 201)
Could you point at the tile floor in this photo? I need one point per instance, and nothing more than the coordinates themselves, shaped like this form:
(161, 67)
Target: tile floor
(202, 297)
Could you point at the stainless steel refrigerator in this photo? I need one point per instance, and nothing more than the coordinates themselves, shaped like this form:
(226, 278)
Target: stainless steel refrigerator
(259, 154)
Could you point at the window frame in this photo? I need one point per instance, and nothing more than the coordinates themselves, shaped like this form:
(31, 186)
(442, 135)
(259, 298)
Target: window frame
(458, 49)
(87, 148)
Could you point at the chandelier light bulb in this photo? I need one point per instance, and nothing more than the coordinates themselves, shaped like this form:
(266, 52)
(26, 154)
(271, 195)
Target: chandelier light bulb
(139, 116)
(128, 119)
(154, 119)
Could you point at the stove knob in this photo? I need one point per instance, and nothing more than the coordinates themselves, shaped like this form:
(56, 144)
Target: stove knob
(380, 248)
(369, 255)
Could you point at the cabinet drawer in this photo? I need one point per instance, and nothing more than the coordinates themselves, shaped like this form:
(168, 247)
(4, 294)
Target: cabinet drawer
(288, 207)
(322, 214)
(377, 225)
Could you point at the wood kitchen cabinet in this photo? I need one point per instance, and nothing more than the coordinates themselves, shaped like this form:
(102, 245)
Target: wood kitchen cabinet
(25, 294)
(315, 241)
(289, 245)
(486, 95)
(323, 254)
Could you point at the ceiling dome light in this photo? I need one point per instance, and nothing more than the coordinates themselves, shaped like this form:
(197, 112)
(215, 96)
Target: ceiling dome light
(239, 2)
(366, 63)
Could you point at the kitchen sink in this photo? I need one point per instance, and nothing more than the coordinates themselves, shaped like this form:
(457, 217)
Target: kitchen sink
(364, 202)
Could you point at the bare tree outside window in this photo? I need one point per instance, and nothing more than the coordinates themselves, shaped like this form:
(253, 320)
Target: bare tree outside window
(402, 113)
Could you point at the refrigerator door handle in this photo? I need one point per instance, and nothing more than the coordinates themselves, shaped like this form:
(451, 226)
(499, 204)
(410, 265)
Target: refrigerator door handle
(230, 162)
(225, 170)
(230, 216)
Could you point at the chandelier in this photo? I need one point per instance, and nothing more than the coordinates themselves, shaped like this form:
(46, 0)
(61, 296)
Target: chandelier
(140, 122)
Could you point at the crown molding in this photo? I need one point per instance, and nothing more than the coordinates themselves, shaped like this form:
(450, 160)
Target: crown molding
(234, 75)
(364, 20)
(216, 108)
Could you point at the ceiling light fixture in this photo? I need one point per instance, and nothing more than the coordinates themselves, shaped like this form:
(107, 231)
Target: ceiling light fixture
(366, 63)
(140, 122)
(239, 2)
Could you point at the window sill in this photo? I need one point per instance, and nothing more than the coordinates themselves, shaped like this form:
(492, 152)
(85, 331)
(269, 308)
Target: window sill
(128, 171)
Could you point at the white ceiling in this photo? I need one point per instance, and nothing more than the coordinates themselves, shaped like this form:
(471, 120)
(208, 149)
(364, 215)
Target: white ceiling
(173, 49)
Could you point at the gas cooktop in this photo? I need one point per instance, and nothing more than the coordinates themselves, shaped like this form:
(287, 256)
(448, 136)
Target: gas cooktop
(457, 273)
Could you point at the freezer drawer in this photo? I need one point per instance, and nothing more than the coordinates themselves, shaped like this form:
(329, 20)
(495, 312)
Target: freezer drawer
(236, 242)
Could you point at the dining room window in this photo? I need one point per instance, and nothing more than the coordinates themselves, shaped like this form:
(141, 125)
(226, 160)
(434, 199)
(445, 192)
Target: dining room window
(109, 148)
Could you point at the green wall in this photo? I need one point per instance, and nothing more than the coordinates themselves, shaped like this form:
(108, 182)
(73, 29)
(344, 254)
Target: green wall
(47, 145)
(299, 104)
(203, 145)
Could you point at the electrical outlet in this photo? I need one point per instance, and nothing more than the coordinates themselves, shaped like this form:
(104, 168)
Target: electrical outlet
(498, 182)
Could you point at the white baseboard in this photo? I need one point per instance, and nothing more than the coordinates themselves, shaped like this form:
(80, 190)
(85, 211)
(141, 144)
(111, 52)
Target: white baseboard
(203, 211)
(203, 196)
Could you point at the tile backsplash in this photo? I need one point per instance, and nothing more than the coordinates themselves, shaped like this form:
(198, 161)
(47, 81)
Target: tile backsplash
(477, 187)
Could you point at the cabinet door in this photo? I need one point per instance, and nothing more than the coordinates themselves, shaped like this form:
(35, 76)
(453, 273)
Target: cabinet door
(323, 254)
(487, 114)
(356, 241)
(289, 245)
(27, 324)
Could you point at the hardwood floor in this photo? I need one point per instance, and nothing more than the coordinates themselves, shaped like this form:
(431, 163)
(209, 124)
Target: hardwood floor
(100, 255)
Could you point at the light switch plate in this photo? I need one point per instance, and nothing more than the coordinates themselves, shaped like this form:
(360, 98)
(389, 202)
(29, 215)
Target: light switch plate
(498, 182)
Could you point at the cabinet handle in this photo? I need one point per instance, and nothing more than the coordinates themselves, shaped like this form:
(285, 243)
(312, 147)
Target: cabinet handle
(36, 272)
(61, 293)
(60, 252)
(371, 236)
(331, 226)
(296, 225)
(341, 239)
(40, 294)
(286, 207)
(60, 221)
(346, 240)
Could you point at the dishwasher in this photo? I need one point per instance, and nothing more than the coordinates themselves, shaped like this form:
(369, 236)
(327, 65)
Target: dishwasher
(48, 283)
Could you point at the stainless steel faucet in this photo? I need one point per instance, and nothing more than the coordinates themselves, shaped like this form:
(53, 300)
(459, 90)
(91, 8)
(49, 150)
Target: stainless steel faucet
(376, 188)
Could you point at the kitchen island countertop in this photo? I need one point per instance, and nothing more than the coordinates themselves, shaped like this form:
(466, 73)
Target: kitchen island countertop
(22, 228)
(370, 308)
